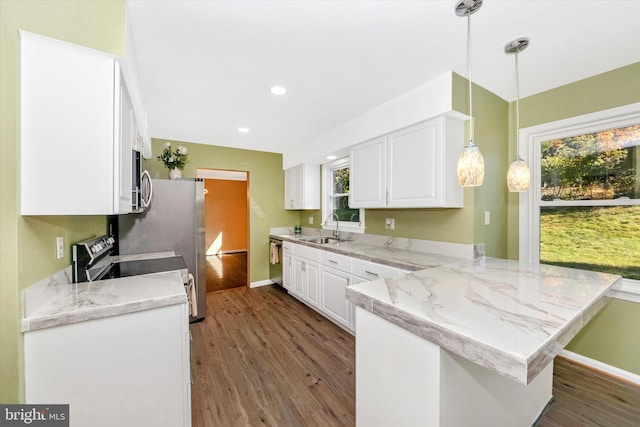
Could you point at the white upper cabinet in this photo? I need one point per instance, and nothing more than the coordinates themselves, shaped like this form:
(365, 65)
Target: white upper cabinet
(414, 167)
(368, 174)
(77, 130)
(302, 187)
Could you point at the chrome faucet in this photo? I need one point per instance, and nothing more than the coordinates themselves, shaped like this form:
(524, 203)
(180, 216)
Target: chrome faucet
(336, 232)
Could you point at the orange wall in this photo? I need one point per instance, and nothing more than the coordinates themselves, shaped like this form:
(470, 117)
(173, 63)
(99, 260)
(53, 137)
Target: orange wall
(226, 214)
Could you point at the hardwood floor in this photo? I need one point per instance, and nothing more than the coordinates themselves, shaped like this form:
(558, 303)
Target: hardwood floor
(226, 271)
(585, 398)
(263, 358)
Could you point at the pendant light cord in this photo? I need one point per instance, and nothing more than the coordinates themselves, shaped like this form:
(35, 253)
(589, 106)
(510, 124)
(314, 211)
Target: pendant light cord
(517, 106)
(471, 122)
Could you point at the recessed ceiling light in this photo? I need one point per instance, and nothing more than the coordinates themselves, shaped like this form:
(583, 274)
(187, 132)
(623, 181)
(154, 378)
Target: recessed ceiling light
(331, 157)
(243, 130)
(278, 90)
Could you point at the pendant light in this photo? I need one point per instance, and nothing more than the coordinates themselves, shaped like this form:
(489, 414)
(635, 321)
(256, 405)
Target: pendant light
(518, 176)
(470, 168)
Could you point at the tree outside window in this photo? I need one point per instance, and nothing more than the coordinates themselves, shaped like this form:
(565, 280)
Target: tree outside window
(336, 198)
(590, 201)
(340, 197)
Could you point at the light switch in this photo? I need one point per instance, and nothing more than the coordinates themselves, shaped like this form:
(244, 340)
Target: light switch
(487, 217)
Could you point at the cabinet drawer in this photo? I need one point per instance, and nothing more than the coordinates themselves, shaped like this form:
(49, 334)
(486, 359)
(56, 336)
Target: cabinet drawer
(372, 271)
(339, 262)
(287, 248)
(307, 252)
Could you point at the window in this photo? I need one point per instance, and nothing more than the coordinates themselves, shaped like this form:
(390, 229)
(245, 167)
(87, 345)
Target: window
(583, 209)
(335, 191)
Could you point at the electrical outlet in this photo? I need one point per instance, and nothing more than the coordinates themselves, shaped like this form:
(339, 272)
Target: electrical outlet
(487, 217)
(389, 223)
(310, 220)
(59, 247)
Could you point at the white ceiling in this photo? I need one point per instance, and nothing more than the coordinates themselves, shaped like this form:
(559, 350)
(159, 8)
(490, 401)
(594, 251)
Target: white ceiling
(205, 67)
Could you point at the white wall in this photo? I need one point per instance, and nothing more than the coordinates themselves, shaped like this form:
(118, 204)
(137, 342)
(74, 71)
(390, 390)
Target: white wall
(426, 101)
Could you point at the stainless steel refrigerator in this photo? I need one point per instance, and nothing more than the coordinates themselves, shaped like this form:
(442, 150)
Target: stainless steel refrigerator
(174, 221)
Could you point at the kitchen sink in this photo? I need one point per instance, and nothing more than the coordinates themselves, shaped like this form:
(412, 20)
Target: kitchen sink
(320, 240)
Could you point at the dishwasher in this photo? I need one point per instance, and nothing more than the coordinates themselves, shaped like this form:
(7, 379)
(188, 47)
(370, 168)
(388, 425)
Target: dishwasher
(275, 261)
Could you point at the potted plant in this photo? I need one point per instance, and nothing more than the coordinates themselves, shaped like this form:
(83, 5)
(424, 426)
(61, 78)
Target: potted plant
(174, 160)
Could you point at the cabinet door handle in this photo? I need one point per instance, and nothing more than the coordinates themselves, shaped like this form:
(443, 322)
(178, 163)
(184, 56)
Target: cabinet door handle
(387, 198)
(333, 262)
(371, 273)
(348, 281)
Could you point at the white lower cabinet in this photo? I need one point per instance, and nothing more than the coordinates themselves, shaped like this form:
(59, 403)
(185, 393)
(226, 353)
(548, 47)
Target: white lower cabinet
(312, 279)
(305, 280)
(127, 370)
(287, 266)
(298, 282)
(334, 300)
(320, 278)
(368, 270)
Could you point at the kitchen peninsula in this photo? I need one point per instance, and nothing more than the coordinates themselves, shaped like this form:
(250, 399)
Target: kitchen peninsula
(458, 341)
(469, 342)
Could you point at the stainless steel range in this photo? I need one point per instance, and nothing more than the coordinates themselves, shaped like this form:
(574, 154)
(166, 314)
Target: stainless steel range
(92, 260)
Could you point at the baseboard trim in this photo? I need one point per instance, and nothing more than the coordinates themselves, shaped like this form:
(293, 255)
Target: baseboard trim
(606, 369)
(261, 283)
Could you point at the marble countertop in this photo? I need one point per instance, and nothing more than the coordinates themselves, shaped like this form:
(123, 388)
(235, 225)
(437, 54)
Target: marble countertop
(510, 317)
(58, 303)
(403, 258)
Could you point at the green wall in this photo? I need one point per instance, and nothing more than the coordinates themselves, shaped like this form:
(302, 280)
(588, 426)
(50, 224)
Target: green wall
(611, 336)
(27, 246)
(266, 191)
(464, 225)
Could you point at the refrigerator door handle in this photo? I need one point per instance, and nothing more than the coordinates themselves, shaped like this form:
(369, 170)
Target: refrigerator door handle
(147, 195)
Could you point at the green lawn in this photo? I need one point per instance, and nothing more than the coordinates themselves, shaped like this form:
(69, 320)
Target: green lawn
(603, 239)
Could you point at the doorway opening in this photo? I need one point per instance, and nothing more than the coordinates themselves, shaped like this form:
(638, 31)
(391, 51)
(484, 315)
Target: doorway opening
(226, 211)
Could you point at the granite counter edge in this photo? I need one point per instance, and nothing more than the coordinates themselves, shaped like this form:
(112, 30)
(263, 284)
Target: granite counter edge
(496, 360)
(35, 323)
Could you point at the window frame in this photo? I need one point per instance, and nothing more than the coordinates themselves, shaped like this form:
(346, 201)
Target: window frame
(530, 202)
(327, 193)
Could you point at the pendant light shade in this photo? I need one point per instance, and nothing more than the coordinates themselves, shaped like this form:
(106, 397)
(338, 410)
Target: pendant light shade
(470, 168)
(518, 175)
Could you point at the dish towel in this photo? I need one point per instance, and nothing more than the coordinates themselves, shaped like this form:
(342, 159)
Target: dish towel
(273, 253)
(192, 296)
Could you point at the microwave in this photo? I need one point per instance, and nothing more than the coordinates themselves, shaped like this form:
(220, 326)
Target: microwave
(141, 185)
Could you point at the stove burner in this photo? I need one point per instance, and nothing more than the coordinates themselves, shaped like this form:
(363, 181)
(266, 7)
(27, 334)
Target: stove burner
(145, 266)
